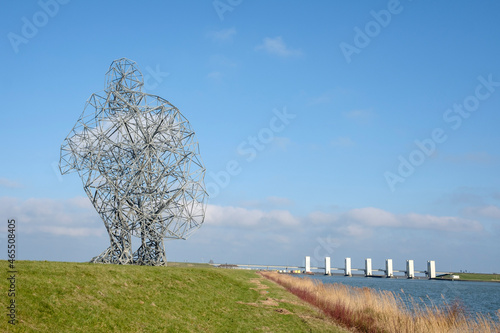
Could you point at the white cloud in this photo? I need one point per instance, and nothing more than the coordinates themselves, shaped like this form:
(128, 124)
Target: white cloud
(249, 218)
(4, 182)
(375, 217)
(281, 217)
(282, 239)
(356, 231)
(77, 217)
(237, 233)
(358, 221)
(222, 35)
(72, 217)
(446, 223)
(490, 211)
(232, 216)
(73, 232)
(277, 46)
(318, 217)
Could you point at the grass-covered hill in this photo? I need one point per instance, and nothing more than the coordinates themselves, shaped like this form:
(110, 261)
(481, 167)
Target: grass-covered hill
(82, 297)
(472, 277)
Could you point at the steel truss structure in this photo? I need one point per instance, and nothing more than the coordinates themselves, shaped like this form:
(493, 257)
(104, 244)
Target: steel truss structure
(139, 162)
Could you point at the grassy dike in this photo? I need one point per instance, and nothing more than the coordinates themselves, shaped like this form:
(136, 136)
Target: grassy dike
(472, 277)
(82, 297)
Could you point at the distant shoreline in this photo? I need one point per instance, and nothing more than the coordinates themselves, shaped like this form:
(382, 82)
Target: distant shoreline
(471, 277)
(463, 280)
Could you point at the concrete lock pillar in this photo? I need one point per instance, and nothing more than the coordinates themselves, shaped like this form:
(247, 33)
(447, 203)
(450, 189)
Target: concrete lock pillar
(388, 268)
(410, 269)
(431, 269)
(308, 264)
(327, 266)
(347, 271)
(368, 267)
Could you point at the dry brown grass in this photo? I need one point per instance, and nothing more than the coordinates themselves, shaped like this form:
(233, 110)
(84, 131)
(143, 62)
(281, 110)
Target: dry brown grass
(368, 310)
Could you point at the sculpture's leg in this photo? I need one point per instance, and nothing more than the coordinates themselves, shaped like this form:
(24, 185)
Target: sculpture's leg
(151, 253)
(120, 250)
(122, 243)
(104, 258)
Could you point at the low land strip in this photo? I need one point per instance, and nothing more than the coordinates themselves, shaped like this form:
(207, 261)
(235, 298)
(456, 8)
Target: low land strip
(470, 277)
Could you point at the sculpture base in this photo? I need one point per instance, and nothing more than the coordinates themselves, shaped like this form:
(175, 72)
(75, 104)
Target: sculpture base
(156, 257)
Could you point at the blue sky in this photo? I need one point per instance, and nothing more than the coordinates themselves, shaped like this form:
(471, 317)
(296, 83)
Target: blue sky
(350, 130)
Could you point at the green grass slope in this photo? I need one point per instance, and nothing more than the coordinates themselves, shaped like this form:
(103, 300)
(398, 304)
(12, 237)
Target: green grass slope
(473, 277)
(82, 297)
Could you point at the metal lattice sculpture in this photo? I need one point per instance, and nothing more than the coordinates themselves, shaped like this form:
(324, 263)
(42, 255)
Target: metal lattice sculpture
(140, 166)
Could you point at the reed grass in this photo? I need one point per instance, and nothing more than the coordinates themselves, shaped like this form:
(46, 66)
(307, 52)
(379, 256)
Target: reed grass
(369, 310)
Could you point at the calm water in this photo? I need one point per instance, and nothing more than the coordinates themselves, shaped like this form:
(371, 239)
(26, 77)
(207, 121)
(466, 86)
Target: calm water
(477, 297)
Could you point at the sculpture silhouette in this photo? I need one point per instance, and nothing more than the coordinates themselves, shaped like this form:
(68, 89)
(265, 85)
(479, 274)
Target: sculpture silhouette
(139, 162)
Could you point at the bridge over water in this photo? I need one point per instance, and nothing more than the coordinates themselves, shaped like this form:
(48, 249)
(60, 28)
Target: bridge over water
(368, 271)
